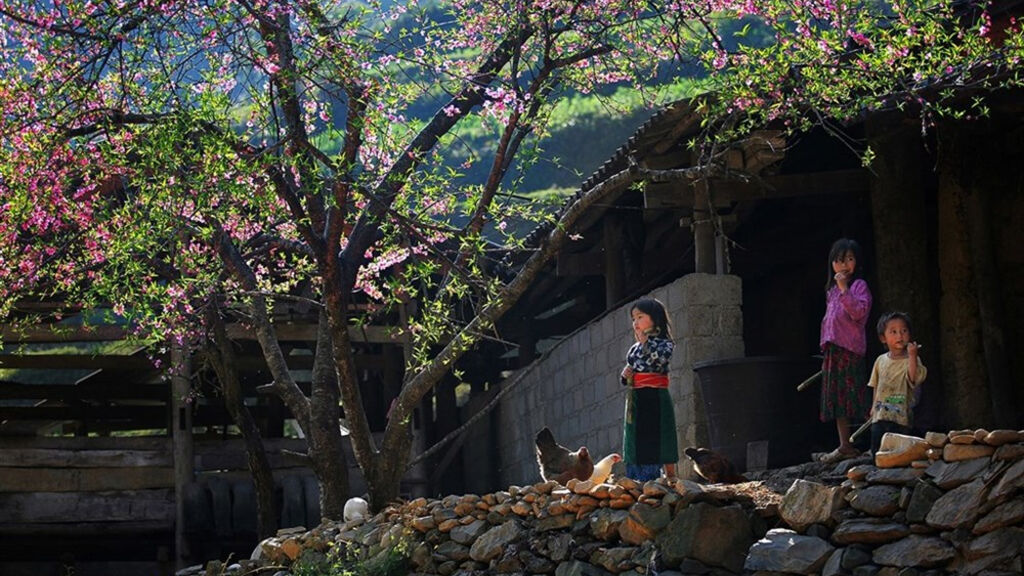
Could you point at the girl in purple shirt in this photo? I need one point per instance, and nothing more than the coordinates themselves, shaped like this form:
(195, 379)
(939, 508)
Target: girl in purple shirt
(843, 343)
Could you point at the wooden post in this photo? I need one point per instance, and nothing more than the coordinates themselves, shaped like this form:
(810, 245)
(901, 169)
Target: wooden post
(527, 344)
(614, 271)
(181, 434)
(703, 228)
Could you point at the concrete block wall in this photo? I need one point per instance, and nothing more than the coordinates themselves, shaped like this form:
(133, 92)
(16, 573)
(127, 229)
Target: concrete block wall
(574, 388)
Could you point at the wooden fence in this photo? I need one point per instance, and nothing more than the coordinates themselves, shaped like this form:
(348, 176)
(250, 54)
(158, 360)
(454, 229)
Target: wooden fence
(102, 498)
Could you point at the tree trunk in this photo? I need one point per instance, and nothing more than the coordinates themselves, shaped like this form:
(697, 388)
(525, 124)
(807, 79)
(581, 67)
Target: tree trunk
(224, 363)
(326, 451)
(384, 479)
(906, 265)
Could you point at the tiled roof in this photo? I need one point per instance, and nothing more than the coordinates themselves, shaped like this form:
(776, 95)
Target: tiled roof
(662, 124)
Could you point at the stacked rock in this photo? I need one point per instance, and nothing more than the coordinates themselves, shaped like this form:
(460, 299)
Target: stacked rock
(546, 528)
(948, 503)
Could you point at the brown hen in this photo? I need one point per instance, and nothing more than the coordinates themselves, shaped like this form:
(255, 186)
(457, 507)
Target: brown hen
(558, 463)
(713, 467)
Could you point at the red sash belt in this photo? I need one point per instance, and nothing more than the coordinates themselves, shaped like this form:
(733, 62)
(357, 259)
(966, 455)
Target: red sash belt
(650, 380)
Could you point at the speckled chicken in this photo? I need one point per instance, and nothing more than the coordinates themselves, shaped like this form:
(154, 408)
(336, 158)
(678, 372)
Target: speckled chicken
(558, 463)
(713, 467)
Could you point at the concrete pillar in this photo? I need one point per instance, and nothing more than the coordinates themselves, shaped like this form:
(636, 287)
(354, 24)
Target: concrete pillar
(707, 322)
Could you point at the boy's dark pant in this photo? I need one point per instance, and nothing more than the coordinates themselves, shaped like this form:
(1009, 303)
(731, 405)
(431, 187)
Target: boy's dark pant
(878, 429)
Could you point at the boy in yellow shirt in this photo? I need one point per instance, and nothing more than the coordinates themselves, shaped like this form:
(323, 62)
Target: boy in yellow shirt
(896, 378)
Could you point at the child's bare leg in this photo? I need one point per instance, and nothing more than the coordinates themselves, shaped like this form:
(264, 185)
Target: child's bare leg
(843, 428)
(670, 470)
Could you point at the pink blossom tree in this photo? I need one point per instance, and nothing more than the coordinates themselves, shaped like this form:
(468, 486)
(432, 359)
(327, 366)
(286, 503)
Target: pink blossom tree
(182, 161)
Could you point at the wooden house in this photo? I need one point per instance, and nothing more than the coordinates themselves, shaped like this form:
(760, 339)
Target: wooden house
(938, 216)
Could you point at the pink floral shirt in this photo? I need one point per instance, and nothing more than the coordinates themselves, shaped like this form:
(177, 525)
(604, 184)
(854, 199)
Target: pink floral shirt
(845, 317)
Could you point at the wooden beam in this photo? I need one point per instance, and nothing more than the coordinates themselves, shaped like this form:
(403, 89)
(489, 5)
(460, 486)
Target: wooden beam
(580, 263)
(76, 362)
(703, 231)
(682, 127)
(286, 332)
(84, 479)
(87, 507)
(87, 391)
(182, 446)
(155, 443)
(661, 196)
(158, 443)
(614, 267)
(205, 446)
(723, 191)
(60, 333)
(672, 159)
(89, 529)
(58, 458)
(91, 413)
(239, 460)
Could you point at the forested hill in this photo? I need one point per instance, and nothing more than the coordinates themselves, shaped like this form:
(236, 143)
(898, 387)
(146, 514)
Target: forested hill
(585, 130)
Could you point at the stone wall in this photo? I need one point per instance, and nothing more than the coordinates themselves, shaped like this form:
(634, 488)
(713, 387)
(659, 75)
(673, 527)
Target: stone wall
(574, 388)
(945, 504)
(545, 528)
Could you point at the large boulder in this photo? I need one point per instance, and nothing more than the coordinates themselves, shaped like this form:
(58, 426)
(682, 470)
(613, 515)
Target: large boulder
(784, 550)
(716, 536)
(807, 503)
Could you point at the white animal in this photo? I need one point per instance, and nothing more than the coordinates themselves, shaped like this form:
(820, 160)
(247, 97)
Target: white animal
(356, 509)
(603, 468)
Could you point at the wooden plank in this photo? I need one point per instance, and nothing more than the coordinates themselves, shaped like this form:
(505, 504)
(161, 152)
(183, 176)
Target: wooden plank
(115, 362)
(147, 416)
(684, 125)
(84, 391)
(209, 446)
(84, 568)
(159, 443)
(210, 454)
(231, 455)
(182, 445)
(56, 529)
(286, 332)
(837, 182)
(240, 461)
(84, 479)
(122, 363)
(63, 507)
(580, 263)
(49, 458)
(61, 333)
(91, 413)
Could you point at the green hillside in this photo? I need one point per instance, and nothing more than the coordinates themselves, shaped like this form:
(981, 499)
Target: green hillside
(584, 131)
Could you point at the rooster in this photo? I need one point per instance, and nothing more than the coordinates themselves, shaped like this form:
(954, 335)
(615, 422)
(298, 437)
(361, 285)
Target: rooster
(603, 468)
(558, 463)
(713, 467)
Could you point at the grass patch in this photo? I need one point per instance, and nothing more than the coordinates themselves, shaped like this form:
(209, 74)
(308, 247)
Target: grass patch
(390, 561)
